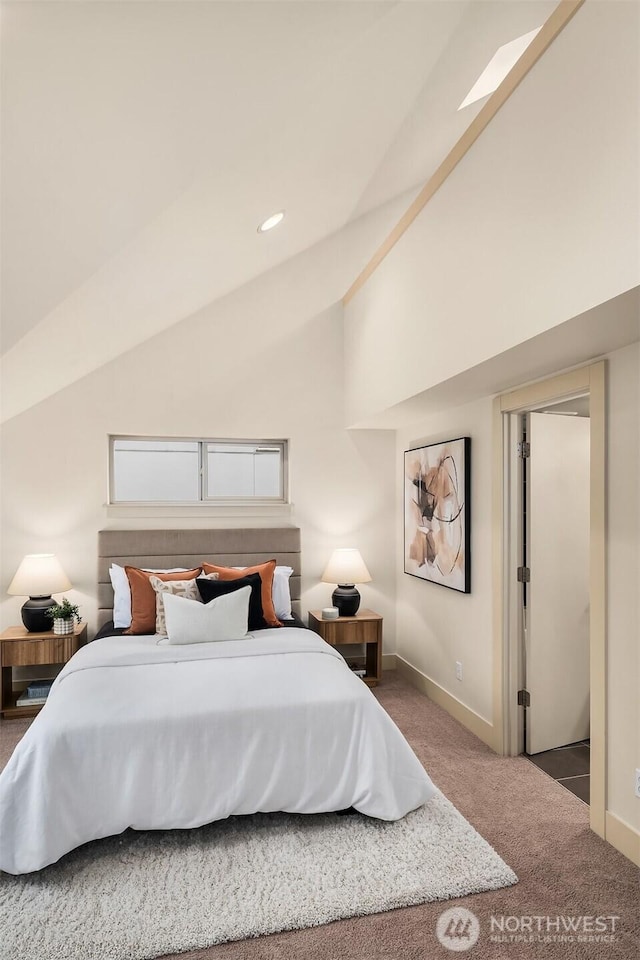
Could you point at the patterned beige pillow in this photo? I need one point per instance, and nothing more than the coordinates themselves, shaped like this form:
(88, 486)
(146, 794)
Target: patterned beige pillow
(180, 588)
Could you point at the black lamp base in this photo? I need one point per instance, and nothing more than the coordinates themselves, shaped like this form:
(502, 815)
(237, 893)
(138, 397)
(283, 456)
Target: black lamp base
(347, 599)
(33, 614)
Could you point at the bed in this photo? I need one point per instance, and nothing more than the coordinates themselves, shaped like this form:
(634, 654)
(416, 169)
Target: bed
(139, 735)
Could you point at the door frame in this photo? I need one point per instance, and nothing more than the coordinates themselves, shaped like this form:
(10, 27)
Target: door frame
(588, 380)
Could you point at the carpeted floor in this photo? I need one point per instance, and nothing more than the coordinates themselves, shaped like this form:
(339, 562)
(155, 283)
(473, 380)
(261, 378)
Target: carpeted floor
(539, 828)
(177, 890)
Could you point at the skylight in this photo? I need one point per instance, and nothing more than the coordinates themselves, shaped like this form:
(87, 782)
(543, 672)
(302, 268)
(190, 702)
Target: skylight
(498, 67)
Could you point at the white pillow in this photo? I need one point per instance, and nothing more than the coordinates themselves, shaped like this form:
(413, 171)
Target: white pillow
(121, 596)
(224, 618)
(122, 592)
(280, 593)
(181, 588)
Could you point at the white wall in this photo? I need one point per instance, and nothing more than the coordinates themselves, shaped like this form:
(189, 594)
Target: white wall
(246, 367)
(623, 581)
(437, 626)
(538, 223)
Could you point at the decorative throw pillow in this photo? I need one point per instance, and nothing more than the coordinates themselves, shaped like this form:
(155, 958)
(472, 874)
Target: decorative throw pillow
(179, 588)
(143, 597)
(122, 591)
(280, 592)
(266, 571)
(210, 589)
(225, 618)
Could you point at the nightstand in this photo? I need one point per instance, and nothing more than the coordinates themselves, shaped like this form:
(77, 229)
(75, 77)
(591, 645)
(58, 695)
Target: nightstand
(19, 648)
(364, 628)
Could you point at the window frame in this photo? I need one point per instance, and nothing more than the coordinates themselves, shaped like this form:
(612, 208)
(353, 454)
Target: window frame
(204, 500)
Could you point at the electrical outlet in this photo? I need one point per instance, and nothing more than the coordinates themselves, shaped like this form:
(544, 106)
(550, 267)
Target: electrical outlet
(637, 782)
(458, 670)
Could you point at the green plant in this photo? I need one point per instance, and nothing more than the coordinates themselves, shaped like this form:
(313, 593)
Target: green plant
(64, 611)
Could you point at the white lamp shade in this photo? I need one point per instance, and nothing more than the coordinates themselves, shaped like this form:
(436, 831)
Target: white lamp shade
(346, 566)
(39, 575)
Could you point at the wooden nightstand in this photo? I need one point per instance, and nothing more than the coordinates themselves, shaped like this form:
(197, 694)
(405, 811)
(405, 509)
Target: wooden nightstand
(365, 627)
(19, 648)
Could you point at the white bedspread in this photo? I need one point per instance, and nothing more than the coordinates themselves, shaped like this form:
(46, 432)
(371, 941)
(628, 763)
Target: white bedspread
(136, 734)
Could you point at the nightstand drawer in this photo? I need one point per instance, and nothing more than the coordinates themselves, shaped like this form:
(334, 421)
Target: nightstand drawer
(27, 653)
(349, 632)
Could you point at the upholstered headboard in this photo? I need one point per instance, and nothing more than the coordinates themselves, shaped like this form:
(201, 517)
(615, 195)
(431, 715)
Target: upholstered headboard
(186, 548)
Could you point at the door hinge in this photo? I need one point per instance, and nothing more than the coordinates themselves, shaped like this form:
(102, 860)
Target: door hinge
(524, 698)
(524, 574)
(524, 449)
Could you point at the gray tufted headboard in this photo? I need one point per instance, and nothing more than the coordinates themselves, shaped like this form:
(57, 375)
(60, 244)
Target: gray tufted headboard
(186, 548)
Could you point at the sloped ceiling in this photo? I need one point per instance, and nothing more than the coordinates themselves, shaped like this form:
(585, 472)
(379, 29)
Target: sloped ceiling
(142, 143)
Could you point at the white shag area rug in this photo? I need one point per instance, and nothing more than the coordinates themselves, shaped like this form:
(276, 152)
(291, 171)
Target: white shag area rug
(141, 895)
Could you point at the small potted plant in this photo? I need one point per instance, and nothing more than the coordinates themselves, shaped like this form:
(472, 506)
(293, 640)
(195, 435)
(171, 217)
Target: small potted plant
(64, 616)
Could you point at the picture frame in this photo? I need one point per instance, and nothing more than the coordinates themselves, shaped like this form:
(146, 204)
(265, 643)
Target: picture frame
(437, 513)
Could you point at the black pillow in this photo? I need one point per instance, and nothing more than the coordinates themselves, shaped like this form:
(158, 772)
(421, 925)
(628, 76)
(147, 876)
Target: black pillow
(108, 630)
(210, 589)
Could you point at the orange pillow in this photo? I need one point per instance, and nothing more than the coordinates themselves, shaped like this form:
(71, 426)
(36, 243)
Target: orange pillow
(266, 571)
(143, 596)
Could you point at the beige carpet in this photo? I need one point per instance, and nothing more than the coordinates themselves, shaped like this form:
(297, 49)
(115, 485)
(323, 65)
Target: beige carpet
(536, 825)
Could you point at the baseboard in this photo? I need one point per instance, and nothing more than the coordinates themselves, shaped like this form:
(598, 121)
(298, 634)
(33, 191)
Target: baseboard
(389, 661)
(467, 717)
(623, 837)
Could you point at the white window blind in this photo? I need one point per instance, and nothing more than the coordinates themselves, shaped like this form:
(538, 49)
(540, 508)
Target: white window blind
(163, 470)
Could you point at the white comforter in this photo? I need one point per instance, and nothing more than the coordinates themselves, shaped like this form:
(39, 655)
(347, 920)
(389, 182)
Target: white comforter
(136, 734)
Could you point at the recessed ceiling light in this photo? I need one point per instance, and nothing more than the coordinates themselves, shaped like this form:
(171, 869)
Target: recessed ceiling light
(498, 67)
(271, 222)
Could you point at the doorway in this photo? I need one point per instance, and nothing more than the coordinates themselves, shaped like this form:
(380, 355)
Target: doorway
(553, 454)
(509, 612)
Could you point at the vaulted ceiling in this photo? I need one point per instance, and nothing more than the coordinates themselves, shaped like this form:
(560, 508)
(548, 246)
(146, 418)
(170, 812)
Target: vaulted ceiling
(142, 144)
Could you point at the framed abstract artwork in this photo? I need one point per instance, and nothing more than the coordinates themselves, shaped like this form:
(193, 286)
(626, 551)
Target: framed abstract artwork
(437, 513)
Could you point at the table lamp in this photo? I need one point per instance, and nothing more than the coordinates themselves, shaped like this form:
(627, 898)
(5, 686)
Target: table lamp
(38, 576)
(346, 568)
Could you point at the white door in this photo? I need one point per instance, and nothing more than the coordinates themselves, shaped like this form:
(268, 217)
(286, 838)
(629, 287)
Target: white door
(557, 615)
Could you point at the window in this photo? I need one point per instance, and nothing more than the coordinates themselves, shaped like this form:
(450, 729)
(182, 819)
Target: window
(160, 470)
